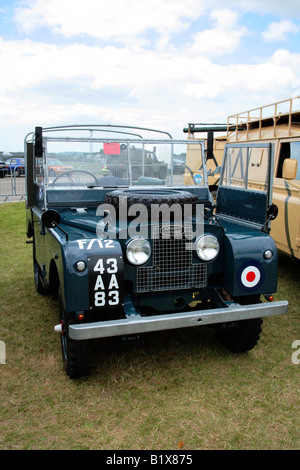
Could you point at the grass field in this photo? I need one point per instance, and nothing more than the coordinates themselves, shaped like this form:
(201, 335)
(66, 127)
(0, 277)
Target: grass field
(170, 390)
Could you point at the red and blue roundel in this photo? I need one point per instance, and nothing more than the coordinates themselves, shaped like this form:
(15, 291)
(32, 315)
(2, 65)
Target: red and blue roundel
(250, 276)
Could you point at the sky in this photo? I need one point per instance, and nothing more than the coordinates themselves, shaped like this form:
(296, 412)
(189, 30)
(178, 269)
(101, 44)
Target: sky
(150, 63)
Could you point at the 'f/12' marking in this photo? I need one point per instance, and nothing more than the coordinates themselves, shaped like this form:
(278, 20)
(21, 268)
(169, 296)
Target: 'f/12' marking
(95, 242)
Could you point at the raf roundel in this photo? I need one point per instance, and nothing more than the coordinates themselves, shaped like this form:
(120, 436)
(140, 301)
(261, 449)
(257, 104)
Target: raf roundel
(250, 276)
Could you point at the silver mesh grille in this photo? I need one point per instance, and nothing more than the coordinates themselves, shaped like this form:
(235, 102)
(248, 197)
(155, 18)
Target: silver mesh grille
(172, 264)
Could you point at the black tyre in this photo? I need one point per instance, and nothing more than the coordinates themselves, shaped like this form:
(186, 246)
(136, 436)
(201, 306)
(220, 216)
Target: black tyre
(135, 173)
(75, 354)
(240, 336)
(148, 197)
(162, 174)
(243, 335)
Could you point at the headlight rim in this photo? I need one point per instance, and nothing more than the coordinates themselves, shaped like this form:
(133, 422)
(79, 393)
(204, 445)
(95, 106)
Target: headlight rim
(130, 242)
(205, 258)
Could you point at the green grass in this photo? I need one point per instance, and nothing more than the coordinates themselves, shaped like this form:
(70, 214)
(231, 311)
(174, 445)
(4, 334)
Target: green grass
(170, 390)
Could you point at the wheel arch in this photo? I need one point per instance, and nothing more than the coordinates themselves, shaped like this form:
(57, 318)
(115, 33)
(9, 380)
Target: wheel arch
(54, 281)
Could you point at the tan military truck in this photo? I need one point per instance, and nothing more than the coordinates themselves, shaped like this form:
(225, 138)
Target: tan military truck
(279, 125)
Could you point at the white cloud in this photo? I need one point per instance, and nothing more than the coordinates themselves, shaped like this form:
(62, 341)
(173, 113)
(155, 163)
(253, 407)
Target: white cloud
(279, 31)
(236, 80)
(39, 79)
(104, 20)
(132, 73)
(288, 8)
(120, 18)
(29, 65)
(223, 38)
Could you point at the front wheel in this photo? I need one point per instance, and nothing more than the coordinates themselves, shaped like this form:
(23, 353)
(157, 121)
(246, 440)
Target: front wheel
(240, 336)
(75, 354)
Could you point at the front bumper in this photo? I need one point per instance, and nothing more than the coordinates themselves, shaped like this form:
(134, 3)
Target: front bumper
(134, 323)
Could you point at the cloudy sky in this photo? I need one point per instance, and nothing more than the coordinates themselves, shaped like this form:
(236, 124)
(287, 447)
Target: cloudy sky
(152, 63)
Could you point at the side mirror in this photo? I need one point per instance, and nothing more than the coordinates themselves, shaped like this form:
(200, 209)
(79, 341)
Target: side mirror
(50, 219)
(289, 169)
(272, 212)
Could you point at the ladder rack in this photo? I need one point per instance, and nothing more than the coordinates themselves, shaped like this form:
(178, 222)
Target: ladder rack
(265, 116)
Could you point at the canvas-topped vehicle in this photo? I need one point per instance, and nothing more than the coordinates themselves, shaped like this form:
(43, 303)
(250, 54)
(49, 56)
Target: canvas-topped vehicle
(127, 255)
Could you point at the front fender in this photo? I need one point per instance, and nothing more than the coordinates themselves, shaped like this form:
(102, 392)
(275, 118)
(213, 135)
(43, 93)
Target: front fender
(99, 283)
(246, 270)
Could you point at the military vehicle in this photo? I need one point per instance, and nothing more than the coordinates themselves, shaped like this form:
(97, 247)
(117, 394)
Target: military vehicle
(277, 124)
(127, 257)
(143, 163)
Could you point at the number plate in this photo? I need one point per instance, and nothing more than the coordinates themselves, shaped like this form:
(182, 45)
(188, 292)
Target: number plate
(106, 281)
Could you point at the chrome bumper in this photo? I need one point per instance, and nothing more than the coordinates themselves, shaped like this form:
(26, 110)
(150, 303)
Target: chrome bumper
(134, 324)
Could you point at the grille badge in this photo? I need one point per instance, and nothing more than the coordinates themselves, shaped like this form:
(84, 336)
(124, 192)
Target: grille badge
(167, 230)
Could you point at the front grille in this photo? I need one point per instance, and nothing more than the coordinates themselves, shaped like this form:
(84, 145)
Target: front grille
(172, 263)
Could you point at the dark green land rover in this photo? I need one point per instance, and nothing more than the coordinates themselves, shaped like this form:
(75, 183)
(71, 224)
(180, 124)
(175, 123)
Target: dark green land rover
(127, 253)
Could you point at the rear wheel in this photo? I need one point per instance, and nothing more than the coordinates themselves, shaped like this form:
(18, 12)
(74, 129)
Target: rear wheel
(75, 354)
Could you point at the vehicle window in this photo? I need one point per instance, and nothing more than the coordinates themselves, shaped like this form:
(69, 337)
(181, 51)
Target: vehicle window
(76, 163)
(295, 153)
(39, 170)
(244, 167)
(289, 150)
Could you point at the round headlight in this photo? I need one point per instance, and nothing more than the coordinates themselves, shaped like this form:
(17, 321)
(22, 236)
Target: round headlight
(138, 251)
(207, 247)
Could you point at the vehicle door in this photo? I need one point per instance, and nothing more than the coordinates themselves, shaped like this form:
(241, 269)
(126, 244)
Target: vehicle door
(35, 160)
(286, 229)
(245, 189)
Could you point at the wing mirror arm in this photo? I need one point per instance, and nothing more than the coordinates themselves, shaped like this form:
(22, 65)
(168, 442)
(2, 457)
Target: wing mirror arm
(272, 213)
(51, 219)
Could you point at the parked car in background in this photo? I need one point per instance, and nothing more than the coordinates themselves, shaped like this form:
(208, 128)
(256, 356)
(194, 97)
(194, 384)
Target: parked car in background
(4, 170)
(16, 166)
(56, 167)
